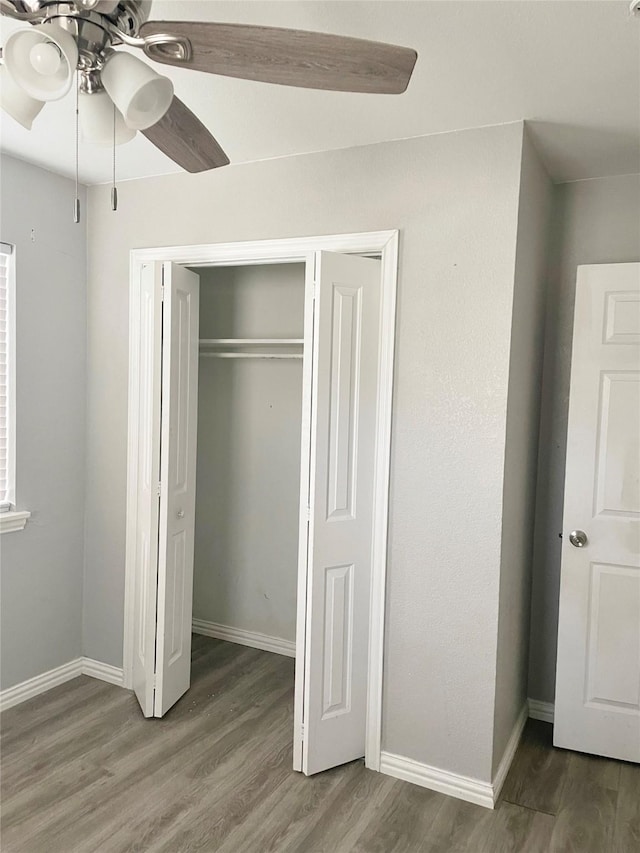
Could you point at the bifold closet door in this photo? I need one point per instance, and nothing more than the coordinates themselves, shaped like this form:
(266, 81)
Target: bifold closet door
(178, 485)
(148, 357)
(166, 485)
(343, 430)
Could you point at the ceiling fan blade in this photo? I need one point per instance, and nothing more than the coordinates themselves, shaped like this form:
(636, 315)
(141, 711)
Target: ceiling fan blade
(181, 136)
(289, 57)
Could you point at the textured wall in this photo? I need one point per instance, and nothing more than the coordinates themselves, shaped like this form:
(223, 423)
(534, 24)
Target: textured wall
(41, 575)
(521, 452)
(595, 222)
(248, 474)
(454, 198)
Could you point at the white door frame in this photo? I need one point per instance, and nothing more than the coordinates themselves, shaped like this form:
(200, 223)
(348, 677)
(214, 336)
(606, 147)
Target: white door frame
(295, 250)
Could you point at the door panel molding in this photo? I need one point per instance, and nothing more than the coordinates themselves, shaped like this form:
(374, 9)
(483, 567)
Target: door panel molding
(621, 318)
(347, 314)
(338, 636)
(613, 587)
(618, 389)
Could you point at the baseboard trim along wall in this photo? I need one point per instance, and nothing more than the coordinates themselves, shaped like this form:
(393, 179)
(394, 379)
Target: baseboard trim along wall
(103, 671)
(541, 710)
(509, 752)
(453, 784)
(54, 677)
(40, 684)
(244, 638)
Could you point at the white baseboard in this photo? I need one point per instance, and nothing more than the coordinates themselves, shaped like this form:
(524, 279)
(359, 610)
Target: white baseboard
(54, 677)
(452, 784)
(40, 684)
(541, 710)
(103, 671)
(244, 638)
(510, 751)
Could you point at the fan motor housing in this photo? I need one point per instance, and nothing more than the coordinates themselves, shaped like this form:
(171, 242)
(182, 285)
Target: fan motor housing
(128, 15)
(93, 29)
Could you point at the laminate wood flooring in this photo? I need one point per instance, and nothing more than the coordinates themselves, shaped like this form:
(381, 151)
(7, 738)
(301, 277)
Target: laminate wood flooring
(83, 772)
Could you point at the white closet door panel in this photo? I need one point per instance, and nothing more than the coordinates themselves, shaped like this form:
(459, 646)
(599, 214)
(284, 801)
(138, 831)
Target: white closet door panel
(178, 489)
(597, 707)
(346, 344)
(146, 577)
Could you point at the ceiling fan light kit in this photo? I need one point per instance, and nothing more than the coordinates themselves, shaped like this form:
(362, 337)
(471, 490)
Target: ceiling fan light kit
(42, 60)
(96, 112)
(15, 100)
(117, 94)
(141, 95)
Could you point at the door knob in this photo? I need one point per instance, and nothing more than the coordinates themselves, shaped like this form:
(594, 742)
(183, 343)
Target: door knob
(578, 538)
(180, 513)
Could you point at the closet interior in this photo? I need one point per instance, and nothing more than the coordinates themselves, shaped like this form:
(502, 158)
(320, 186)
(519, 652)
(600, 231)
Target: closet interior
(248, 453)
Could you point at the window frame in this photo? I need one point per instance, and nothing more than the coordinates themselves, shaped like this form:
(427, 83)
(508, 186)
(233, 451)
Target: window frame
(10, 518)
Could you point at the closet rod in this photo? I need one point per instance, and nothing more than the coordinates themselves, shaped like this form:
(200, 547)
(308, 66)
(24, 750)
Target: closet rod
(250, 355)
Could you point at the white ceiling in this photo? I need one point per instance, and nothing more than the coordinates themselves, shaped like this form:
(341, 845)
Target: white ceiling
(572, 67)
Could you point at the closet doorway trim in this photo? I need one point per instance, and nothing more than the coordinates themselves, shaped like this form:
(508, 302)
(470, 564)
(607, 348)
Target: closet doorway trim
(382, 244)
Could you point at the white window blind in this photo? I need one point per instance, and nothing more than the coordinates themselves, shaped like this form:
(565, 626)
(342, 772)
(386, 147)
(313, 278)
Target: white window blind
(6, 376)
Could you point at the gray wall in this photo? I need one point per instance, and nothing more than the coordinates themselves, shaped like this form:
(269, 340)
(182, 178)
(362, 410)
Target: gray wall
(596, 221)
(248, 468)
(41, 577)
(455, 199)
(521, 453)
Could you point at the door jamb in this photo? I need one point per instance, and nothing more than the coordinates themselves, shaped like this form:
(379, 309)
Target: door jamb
(295, 250)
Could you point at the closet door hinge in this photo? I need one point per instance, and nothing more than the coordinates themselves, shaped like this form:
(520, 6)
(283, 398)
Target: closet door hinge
(159, 489)
(162, 293)
(308, 513)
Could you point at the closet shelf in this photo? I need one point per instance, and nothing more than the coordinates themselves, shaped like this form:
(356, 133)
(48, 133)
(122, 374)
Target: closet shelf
(250, 342)
(251, 355)
(227, 347)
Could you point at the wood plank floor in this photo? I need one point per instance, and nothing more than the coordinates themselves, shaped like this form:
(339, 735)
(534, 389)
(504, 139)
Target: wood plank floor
(83, 772)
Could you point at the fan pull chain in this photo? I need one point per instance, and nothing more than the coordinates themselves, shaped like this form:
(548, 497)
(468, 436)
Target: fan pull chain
(114, 189)
(76, 206)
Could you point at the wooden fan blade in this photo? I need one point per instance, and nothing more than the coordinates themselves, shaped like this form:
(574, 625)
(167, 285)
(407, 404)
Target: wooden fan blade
(289, 57)
(181, 136)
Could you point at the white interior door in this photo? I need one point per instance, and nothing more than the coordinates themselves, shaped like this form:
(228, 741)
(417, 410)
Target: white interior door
(148, 306)
(178, 485)
(343, 430)
(166, 402)
(598, 670)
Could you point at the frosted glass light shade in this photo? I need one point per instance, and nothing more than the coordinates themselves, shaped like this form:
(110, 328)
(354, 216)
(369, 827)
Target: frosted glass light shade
(29, 56)
(15, 101)
(96, 120)
(141, 95)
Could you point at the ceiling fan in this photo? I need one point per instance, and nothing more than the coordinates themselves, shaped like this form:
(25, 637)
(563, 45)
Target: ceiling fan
(119, 94)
